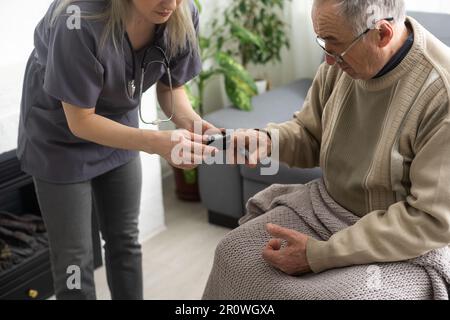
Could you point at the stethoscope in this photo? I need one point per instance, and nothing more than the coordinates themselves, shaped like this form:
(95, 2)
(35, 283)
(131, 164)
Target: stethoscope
(131, 86)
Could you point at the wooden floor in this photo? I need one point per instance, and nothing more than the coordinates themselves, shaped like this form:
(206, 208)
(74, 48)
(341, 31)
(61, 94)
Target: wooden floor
(178, 260)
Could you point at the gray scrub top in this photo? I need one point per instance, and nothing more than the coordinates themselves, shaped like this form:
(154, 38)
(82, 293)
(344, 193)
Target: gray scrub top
(69, 65)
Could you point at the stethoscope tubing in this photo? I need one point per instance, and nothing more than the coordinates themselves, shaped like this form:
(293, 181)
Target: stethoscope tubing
(132, 84)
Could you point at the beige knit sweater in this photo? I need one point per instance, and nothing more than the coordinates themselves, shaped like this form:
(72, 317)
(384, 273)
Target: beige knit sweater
(384, 148)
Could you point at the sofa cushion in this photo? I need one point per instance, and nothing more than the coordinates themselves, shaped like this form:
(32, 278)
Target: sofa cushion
(277, 106)
(221, 189)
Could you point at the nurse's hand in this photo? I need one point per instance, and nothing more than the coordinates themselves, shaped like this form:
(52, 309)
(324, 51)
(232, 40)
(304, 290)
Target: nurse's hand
(183, 149)
(204, 126)
(210, 129)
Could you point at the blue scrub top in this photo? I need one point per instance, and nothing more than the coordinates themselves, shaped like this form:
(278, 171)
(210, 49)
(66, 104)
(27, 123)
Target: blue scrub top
(69, 65)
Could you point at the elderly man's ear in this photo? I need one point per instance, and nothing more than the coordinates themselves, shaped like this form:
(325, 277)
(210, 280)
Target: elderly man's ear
(385, 34)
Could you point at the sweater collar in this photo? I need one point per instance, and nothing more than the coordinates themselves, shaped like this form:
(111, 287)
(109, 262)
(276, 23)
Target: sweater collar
(409, 62)
(398, 56)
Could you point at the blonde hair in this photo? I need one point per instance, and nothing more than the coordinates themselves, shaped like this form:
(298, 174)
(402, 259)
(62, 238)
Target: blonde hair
(180, 34)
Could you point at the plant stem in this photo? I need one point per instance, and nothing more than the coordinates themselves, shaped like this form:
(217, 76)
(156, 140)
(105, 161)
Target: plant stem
(201, 92)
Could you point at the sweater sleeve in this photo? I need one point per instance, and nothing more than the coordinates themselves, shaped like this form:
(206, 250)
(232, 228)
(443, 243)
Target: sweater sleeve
(300, 138)
(407, 229)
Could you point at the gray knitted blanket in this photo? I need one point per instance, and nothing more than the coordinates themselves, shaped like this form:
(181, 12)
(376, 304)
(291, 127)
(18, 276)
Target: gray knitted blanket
(239, 271)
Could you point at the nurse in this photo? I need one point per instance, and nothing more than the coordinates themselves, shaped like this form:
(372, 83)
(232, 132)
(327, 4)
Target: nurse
(79, 135)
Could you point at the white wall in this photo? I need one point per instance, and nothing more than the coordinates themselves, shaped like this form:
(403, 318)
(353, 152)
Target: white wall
(442, 6)
(18, 19)
(152, 209)
(17, 43)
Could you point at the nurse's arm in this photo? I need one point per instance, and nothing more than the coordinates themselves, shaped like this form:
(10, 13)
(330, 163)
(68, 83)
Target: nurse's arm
(87, 125)
(185, 116)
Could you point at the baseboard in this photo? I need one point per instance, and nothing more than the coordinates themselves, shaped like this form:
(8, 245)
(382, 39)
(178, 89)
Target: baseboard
(152, 234)
(222, 220)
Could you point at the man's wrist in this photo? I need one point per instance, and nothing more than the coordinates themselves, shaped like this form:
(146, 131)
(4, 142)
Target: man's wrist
(269, 141)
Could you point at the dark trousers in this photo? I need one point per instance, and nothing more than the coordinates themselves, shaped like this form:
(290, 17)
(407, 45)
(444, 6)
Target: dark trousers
(67, 212)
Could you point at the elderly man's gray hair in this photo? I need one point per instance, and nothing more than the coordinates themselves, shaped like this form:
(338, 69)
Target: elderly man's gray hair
(363, 14)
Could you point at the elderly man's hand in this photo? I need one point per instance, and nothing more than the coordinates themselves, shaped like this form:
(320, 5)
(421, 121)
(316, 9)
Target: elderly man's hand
(251, 147)
(290, 259)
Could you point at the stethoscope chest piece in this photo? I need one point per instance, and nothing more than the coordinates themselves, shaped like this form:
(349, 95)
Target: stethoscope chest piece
(131, 88)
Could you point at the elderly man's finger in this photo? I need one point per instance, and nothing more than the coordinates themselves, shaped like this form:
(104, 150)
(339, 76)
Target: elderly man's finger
(280, 232)
(275, 244)
(271, 256)
(253, 159)
(241, 156)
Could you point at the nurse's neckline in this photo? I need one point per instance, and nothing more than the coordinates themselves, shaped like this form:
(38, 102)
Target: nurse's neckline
(159, 32)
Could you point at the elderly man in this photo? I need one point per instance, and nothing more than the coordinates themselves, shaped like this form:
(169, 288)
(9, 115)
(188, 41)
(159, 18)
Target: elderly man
(377, 121)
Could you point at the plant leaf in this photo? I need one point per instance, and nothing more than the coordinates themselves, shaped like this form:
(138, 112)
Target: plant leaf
(195, 100)
(246, 36)
(190, 176)
(198, 5)
(232, 69)
(237, 96)
(204, 42)
(263, 19)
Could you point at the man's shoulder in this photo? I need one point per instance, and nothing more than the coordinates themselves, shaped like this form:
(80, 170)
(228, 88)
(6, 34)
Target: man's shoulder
(437, 85)
(437, 54)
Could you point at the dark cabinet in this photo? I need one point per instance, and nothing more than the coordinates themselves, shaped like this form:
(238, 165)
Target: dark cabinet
(30, 279)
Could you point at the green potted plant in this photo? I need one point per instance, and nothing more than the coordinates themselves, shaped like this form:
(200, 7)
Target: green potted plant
(245, 18)
(239, 85)
(216, 53)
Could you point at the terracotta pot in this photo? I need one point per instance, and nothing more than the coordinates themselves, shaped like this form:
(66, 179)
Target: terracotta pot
(186, 184)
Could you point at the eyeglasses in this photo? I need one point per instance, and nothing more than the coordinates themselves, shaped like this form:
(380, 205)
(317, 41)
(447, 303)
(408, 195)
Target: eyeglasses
(339, 58)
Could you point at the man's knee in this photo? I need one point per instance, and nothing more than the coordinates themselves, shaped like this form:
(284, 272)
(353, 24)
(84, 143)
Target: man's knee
(244, 240)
